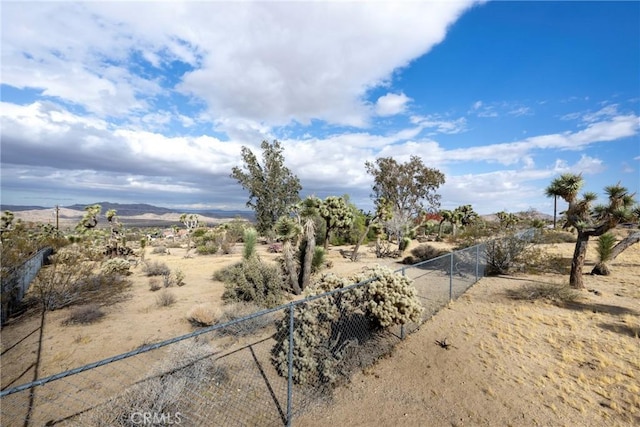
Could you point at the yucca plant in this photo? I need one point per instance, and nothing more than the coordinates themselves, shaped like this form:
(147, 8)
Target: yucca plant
(605, 251)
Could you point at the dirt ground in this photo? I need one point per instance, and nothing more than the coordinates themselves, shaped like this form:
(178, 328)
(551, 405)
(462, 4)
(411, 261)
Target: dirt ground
(510, 362)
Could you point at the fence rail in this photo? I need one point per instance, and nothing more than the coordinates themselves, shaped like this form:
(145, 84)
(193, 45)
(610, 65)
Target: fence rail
(250, 371)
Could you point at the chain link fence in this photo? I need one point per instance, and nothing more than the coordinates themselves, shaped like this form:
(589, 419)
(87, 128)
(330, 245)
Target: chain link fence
(248, 372)
(15, 283)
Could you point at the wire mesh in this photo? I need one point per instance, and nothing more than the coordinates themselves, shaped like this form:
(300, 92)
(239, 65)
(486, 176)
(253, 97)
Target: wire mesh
(251, 371)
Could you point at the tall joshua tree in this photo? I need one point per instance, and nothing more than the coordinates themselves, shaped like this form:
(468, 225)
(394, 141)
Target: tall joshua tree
(336, 214)
(588, 220)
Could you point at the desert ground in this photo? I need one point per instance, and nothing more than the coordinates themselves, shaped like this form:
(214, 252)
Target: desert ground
(511, 361)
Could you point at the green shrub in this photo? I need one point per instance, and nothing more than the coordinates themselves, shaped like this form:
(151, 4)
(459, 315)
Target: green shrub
(404, 243)
(252, 280)
(209, 248)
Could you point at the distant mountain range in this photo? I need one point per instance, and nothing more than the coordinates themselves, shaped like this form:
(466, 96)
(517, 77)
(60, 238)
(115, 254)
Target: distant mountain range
(135, 209)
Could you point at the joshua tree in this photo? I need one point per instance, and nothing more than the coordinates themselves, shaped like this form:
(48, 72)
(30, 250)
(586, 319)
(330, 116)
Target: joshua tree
(336, 214)
(591, 221)
(116, 228)
(191, 222)
(445, 216)
(90, 218)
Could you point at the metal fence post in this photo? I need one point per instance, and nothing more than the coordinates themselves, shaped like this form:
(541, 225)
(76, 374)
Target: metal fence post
(451, 279)
(477, 260)
(402, 334)
(290, 365)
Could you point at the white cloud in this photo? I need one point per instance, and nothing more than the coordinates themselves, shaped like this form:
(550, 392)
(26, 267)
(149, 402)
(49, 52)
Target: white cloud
(392, 104)
(269, 63)
(440, 124)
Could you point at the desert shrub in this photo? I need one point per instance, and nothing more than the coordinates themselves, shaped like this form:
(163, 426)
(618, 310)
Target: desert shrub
(116, 266)
(239, 310)
(404, 243)
(178, 277)
(84, 315)
(555, 236)
(209, 248)
(275, 248)
(165, 299)
(203, 315)
(252, 280)
(226, 246)
(167, 280)
(250, 239)
(423, 252)
(506, 254)
(64, 281)
(159, 250)
(326, 329)
(154, 284)
(156, 268)
(188, 367)
(542, 291)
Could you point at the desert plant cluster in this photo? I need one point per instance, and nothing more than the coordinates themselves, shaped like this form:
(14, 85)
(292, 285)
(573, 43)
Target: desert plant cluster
(284, 255)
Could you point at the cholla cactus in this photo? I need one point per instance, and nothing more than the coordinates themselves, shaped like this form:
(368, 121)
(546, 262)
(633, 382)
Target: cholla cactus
(314, 322)
(390, 299)
(116, 266)
(322, 327)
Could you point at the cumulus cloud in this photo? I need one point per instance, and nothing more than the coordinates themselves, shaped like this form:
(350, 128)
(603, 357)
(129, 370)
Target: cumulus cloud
(268, 63)
(392, 104)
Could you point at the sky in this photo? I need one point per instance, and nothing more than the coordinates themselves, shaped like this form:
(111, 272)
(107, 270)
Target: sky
(151, 102)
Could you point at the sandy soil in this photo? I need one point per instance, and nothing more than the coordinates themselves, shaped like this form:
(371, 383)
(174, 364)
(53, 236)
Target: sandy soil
(511, 362)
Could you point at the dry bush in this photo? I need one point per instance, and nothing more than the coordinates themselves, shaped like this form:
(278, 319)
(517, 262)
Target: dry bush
(159, 250)
(187, 369)
(507, 254)
(156, 268)
(423, 252)
(203, 315)
(544, 291)
(154, 284)
(251, 326)
(555, 236)
(84, 315)
(165, 299)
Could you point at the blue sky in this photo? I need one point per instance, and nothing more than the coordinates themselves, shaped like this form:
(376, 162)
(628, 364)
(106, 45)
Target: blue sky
(141, 102)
